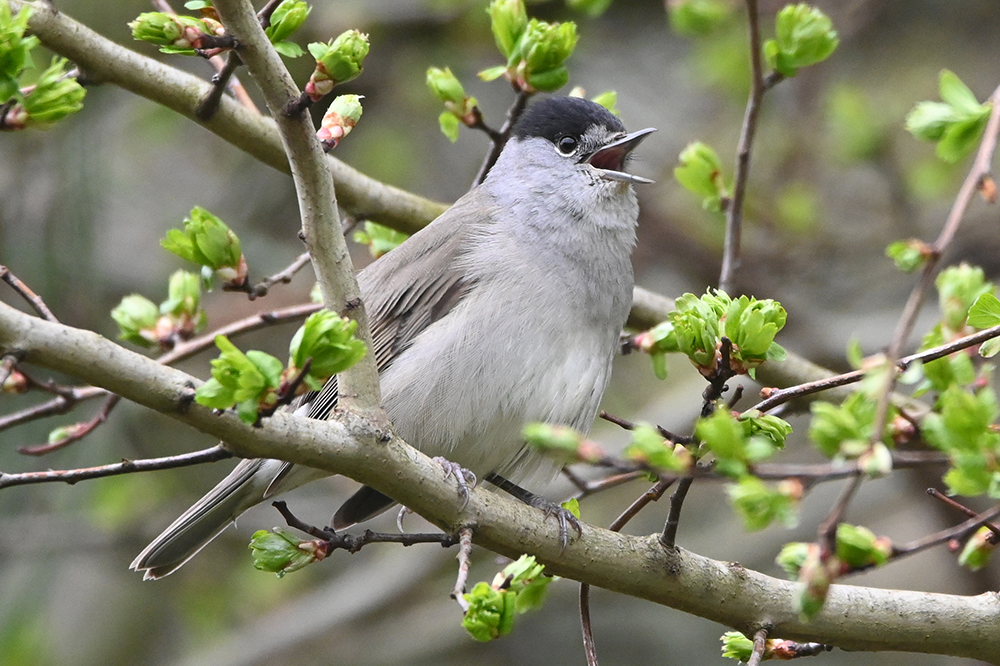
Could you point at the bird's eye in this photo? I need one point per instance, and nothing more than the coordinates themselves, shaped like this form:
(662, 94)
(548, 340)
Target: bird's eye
(566, 145)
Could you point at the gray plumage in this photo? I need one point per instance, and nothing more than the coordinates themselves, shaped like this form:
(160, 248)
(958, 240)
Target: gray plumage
(504, 310)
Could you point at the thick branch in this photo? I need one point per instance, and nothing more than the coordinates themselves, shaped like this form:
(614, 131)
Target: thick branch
(359, 387)
(106, 61)
(855, 618)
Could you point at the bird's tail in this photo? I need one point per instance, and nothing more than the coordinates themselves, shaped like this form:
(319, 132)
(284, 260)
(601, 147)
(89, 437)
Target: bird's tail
(251, 482)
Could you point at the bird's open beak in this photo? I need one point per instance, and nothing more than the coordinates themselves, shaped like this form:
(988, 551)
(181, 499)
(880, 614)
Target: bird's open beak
(610, 159)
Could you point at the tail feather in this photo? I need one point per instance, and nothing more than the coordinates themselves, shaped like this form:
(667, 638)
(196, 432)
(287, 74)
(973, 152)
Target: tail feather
(364, 504)
(251, 482)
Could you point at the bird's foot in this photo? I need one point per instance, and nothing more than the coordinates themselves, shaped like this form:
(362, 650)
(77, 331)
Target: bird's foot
(466, 479)
(564, 516)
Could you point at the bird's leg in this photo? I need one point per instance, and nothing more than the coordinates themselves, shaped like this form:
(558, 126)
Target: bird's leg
(565, 518)
(466, 479)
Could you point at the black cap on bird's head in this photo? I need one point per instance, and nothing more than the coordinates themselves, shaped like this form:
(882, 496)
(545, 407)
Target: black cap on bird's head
(583, 129)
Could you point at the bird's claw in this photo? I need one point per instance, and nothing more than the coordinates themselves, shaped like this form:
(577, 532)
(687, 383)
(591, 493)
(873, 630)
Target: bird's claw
(466, 479)
(564, 516)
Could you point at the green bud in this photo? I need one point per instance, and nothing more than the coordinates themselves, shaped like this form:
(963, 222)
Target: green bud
(508, 20)
(700, 171)
(15, 48)
(184, 294)
(329, 341)
(557, 441)
(380, 239)
(136, 317)
(248, 381)
(958, 289)
(816, 577)
(858, 547)
(490, 614)
(445, 85)
(909, 255)
(53, 97)
(760, 505)
(978, 549)
(173, 33)
(736, 646)
(280, 552)
(956, 124)
(592, 8)
(286, 19)
(696, 18)
(340, 118)
(540, 53)
(609, 100)
(338, 61)
(793, 556)
(208, 241)
(803, 36)
(650, 447)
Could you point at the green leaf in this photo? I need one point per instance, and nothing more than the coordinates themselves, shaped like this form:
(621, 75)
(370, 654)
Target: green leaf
(977, 550)
(136, 317)
(696, 18)
(379, 239)
(280, 552)
(985, 312)
(329, 341)
(736, 646)
(858, 547)
(909, 255)
(650, 447)
(990, 348)
(956, 94)
(804, 36)
(760, 505)
(700, 171)
(573, 506)
(508, 20)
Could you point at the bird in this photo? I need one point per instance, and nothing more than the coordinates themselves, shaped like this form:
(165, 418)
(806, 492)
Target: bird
(505, 310)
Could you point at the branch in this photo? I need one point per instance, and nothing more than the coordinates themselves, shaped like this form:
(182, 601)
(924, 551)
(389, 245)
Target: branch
(775, 398)
(106, 61)
(71, 476)
(359, 386)
(980, 171)
(854, 618)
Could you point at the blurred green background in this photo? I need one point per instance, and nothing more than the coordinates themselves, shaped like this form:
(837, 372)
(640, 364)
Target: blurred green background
(834, 180)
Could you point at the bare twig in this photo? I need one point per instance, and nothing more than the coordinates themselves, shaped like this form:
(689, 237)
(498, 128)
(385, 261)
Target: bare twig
(759, 644)
(946, 535)
(779, 397)
(79, 432)
(669, 536)
(629, 425)
(589, 648)
(284, 276)
(938, 495)
(498, 142)
(355, 542)
(976, 178)
(27, 294)
(651, 495)
(587, 488)
(72, 476)
(464, 561)
(828, 528)
(734, 211)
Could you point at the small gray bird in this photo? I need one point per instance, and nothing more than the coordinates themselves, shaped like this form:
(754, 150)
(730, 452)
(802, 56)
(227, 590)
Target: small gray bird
(503, 311)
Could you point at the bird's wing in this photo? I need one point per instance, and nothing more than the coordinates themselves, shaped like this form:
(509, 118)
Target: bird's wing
(413, 286)
(402, 296)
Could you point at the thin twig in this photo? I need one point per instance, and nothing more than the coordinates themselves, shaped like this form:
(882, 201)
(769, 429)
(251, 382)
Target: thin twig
(72, 476)
(588, 488)
(589, 648)
(629, 425)
(734, 211)
(284, 277)
(80, 431)
(498, 142)
(981, 168)
(669, 536)
(946, 535)
(777, 397)
(651, 495)
(464, 561)
(938, 495)
(759, 644)
(828, 528)
(27, 294)
(355, 542)
(58, 405)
